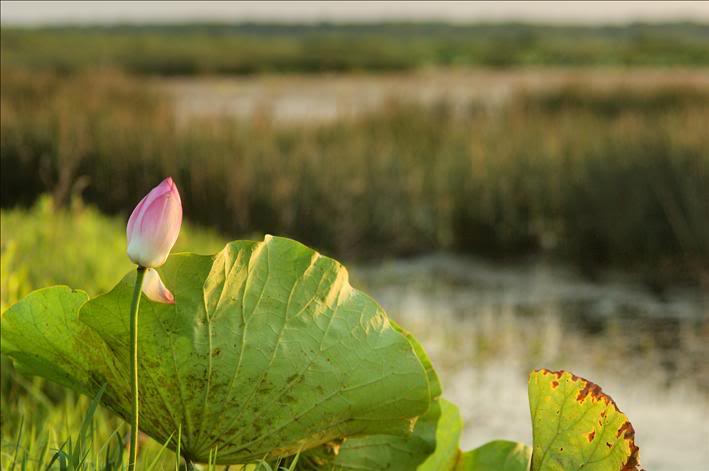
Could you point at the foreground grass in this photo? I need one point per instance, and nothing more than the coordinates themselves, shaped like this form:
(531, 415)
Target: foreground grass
(597, 177)
(43, 423)
(47, 427)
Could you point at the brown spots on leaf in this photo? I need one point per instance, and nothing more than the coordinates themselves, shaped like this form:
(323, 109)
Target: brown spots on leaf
(627, 428)
(609, 445)
(627, 432)
(591, 435)
(545, 372)
(558, 374)
(633, 463)
(591, 389)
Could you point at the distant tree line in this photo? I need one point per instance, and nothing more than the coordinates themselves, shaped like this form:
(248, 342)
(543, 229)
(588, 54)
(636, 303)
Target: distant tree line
(201, 48)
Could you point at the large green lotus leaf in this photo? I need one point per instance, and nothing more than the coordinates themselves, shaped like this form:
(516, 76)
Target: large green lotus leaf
(267, 351)
(498, 455)
(43, 335)
(385, 452)
(382, 452)
(577, 427)
(448, 430)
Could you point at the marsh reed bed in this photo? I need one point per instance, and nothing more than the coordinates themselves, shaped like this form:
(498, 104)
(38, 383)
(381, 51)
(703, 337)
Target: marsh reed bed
(598, 177)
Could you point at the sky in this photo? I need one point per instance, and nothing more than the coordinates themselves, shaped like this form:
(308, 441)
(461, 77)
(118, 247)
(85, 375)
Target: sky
(586, 12)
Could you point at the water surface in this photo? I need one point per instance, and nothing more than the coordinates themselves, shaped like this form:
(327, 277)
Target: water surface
(487, 325)
(318, 98)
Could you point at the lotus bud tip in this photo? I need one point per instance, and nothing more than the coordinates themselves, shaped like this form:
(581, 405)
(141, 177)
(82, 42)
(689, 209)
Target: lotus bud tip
(154, 225)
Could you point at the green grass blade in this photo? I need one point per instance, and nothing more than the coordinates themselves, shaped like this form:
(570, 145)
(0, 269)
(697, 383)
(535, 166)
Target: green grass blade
(177, 448)
(159, 453)
(56, 456)
(82, 451)
(17, 443)
(42, 453)
(294, 463)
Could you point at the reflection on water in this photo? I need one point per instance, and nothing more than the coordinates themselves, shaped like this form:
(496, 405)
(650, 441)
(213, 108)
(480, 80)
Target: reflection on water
(486, 326)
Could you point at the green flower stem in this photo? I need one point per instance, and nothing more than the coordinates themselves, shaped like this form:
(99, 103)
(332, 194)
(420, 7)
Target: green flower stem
(132, 458)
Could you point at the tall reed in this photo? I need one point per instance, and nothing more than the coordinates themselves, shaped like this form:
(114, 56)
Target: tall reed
(600, 177)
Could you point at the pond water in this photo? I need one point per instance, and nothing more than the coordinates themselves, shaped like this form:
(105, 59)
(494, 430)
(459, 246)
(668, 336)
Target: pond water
(487, 325)
(296, 98)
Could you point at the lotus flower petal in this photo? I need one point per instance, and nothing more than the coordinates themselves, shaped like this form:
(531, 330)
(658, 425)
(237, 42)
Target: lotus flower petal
(154, 289)
(154, 225)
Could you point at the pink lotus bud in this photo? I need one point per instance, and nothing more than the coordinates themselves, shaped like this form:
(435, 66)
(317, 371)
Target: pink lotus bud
(154, 288)
(154, 225)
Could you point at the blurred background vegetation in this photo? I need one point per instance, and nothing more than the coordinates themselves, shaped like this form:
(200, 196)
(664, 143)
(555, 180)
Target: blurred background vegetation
(611, 176)
(592, 174)
(259, 47)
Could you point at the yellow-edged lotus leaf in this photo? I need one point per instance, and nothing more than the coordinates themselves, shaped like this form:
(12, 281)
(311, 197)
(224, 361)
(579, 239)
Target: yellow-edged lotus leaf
(577, 427)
